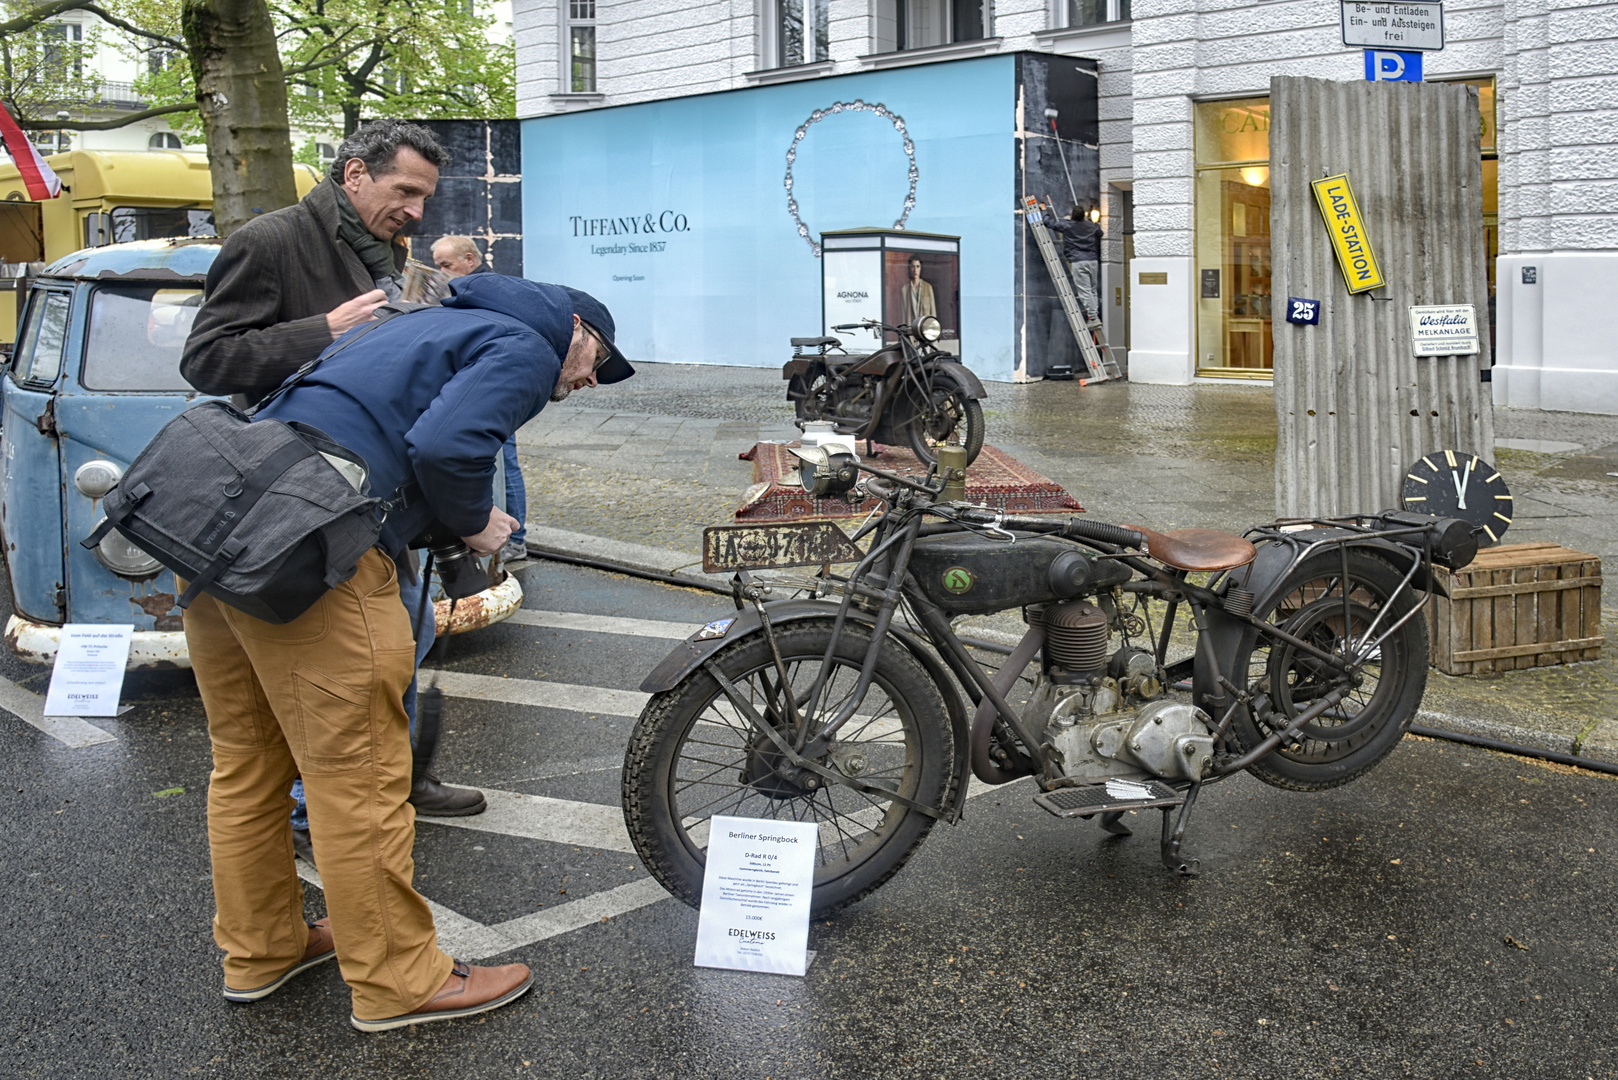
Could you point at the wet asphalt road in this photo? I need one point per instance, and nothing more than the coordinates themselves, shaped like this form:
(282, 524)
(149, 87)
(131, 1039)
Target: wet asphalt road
(1451, 915)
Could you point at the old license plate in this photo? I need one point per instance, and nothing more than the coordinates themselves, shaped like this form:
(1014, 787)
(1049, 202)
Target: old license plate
(767, 547)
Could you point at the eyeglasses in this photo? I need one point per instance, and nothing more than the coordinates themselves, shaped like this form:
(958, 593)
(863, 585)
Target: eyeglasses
(606, 350)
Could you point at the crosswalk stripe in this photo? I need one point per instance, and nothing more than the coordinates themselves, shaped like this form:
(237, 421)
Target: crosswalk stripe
(598, 700)
(586, 911)
(603, 624)
(561, 821)
(29, 707)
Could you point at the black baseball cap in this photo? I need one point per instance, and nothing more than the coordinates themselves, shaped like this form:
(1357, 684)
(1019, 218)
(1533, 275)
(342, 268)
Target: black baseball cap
(594, 312)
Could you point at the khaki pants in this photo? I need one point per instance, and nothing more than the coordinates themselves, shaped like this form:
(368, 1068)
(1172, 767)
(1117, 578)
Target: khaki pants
(319, 697)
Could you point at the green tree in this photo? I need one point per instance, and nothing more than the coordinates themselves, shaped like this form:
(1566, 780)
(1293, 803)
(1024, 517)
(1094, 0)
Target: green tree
(44, 72)
(218, 65)
(240, 89)
(425, 59)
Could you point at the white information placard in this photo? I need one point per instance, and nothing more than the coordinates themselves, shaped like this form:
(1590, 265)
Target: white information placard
(1444, 330)
(755, 895)
(88, 675)
(1407, 26)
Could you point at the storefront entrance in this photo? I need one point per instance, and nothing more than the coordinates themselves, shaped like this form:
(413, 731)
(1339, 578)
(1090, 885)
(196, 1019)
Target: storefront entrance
(1234, 261)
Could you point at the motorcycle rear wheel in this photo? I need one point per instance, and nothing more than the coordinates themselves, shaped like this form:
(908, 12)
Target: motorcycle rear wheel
(1351, 738)
(692, 755)
(952, 419)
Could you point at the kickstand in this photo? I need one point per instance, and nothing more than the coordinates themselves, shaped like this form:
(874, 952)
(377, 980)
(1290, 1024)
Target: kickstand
(1174, 834)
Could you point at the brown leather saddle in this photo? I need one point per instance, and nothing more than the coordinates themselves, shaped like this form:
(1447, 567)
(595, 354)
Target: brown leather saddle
(1197, 549)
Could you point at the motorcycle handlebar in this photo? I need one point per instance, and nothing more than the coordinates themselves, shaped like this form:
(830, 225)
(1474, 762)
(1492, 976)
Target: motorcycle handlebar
(1090, 530)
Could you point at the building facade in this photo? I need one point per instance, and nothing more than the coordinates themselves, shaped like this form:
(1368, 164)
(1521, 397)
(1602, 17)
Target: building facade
(1183, 143)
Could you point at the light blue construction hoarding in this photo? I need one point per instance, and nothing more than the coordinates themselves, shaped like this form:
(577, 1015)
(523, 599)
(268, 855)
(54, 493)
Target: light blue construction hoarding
(679, 216)
(677, 213)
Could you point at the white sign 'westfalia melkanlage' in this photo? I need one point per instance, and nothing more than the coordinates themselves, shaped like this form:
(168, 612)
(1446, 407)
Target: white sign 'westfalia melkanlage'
(755, 895)
(1417, 27)
(1444, 330)
(88, 675)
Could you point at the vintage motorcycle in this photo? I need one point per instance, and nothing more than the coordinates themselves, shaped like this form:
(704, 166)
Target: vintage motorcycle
(909, 390)
(844, 706)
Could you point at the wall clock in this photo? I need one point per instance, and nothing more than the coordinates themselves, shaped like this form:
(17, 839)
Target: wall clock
(1454, 483)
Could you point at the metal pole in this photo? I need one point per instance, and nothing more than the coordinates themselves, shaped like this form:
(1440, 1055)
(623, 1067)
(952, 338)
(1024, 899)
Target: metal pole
(1051, 114)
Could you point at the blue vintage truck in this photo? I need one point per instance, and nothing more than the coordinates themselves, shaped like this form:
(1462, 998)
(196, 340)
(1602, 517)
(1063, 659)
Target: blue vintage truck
(94, 373)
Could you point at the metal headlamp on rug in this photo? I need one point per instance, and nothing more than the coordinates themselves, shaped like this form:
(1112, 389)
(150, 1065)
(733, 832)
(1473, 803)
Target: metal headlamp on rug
(830, 469)
(460, 571)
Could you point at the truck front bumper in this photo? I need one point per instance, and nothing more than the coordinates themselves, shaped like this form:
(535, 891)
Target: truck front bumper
(157, 650)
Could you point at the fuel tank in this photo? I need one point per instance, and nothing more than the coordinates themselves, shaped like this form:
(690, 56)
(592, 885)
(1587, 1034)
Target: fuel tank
(969, 574)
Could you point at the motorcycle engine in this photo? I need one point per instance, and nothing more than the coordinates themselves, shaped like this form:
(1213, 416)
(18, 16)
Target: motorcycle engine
(1098, 713)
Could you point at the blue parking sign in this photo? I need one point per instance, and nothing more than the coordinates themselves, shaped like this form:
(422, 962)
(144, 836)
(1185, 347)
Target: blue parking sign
(1382, 65)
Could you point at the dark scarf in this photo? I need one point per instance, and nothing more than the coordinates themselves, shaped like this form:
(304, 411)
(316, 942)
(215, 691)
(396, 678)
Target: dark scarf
(377, 255)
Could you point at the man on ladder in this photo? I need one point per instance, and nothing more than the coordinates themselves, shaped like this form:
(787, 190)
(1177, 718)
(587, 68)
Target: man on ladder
(1081, 237)
(1081, 249)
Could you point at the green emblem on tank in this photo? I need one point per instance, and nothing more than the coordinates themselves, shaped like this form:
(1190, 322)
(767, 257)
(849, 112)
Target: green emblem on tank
(958, 579)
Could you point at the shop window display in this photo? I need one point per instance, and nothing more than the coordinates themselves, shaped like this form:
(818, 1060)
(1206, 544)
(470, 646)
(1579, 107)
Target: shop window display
(1234, 260)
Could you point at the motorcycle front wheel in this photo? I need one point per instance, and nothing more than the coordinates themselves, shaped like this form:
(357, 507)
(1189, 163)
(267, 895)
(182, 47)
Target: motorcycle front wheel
(1316, 603)
(693, 755)
(950, 419)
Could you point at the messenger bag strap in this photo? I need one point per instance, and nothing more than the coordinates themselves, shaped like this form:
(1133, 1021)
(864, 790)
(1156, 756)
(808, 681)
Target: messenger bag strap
(382, 315)
(215, 537)
(116, 512)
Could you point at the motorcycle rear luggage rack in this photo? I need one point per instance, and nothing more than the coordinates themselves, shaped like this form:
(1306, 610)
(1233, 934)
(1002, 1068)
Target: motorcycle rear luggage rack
(1085, 800)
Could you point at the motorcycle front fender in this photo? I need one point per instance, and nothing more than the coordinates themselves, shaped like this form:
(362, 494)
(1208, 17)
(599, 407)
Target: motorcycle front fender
(898, 415)
(688, 656)
(958, 373)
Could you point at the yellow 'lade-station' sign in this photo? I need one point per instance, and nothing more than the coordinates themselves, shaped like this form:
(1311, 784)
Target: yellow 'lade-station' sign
(1347, 229)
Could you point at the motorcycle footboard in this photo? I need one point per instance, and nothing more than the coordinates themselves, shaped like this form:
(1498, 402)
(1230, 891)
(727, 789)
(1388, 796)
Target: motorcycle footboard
(1087, 800)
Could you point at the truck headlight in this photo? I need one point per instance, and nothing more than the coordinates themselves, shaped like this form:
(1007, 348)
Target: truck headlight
(124, 558)
(95, 478)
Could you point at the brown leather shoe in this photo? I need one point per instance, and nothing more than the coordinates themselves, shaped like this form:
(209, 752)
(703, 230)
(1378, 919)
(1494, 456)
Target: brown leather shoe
(320, 950)
(468, 990)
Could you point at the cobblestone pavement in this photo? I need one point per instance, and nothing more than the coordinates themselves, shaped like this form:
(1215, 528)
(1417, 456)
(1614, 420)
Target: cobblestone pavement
(654, 460)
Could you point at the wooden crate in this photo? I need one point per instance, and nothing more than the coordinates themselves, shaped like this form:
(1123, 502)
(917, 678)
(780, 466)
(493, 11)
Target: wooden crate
(1518, 606)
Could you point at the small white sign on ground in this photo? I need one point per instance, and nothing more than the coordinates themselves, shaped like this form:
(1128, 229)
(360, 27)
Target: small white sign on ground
(755, 895)
(1417, 27)
(88, 675)
(1444, 330)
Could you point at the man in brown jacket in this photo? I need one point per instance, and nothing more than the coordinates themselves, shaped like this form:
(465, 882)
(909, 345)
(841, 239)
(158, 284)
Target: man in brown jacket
(288, 284)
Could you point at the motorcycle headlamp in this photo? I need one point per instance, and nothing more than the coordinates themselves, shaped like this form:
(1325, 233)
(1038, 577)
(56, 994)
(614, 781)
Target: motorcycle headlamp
(929, 329)
(826, 471)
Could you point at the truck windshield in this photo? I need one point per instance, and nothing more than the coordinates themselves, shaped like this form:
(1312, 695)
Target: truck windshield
(135, 337)
(159, 223)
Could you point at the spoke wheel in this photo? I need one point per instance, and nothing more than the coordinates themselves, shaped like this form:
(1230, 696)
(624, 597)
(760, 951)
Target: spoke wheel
(1333, 613)
(694, 756)
(951, 419)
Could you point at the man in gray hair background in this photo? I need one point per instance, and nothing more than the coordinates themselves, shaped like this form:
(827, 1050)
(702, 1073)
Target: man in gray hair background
(286, 285)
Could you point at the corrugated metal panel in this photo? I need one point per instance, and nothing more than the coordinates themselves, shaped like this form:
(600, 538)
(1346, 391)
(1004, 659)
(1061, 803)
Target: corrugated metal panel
(1354, 407)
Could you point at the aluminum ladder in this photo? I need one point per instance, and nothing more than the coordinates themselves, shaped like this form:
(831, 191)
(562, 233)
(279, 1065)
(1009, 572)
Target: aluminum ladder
(1091, 338)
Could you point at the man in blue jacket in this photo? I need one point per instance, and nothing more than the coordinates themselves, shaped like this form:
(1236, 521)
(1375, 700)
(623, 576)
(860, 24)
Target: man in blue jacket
(427, 399)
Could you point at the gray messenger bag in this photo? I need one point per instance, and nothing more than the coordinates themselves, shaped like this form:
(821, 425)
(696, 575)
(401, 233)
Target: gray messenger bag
(263, 515)
(258, 514)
